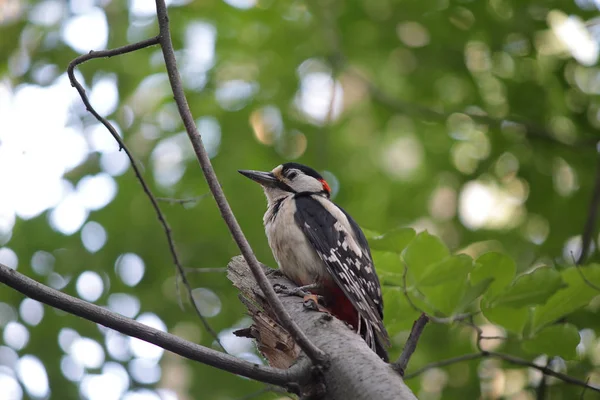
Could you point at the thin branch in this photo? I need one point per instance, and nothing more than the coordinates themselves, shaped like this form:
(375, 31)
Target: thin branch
(582, 395)
(444, 363)
(266, 389)
(540, 392)
(492, 338)
(161, 217)
(505, 357)
(524, 363)
(182, 201)
(206, 270)
(509, 359)
(130, 327)
(592, 217)
(314, 353)
(411, 344)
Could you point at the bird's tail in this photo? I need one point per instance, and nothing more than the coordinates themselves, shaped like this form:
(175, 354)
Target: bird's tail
(376, 340)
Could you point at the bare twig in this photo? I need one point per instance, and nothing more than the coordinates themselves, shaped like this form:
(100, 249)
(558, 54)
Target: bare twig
(582, 395)
(411, 344)
(509, 359)
(524, 363)
(592, 216)
(182, 201)
(161, 217)
(586, 280)
(444, 363)
(266, 389)
(315, 354)
(206, 270)
(505, 357)
(540, 391)
(167, 341)
(492, 338)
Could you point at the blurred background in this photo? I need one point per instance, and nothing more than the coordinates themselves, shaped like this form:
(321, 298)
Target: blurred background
(474, 120)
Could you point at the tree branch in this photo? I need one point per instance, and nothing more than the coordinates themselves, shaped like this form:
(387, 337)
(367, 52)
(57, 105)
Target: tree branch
(130, 327)
(509, 359)
(444, 363)
(170, 200)
(355, 372)
(314, 353)
(161, 217)
(592, 217)
(411, 344)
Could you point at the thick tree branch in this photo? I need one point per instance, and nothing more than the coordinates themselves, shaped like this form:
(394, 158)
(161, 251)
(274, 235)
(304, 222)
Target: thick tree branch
(161, 217)
(355, 371)
(314, 353)
(411, 343)
(130, 327)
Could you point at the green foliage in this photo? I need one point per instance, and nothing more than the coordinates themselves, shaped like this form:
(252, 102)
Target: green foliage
(393, 241)
(556, 340)
(499, 267)
(473, 157)
(576, 295)
(422, 252)
(531, 289)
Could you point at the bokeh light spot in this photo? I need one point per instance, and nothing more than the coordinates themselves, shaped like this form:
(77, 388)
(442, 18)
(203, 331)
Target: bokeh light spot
(207, 302)
(130, 268)
(89, 286)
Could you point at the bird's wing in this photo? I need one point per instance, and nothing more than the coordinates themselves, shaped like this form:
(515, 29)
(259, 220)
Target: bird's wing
(348, 261)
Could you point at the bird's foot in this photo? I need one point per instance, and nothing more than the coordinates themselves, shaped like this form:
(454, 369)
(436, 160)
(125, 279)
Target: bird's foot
(300, 291)
(273, 272)
(312, 302)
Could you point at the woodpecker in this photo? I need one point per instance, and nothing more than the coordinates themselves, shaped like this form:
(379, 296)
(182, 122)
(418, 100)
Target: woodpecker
(320, 248)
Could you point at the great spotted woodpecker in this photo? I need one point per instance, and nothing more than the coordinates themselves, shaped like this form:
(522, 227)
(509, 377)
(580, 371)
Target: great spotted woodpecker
(319, 247)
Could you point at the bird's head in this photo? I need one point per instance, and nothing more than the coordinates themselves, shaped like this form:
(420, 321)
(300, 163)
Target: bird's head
(287, 179)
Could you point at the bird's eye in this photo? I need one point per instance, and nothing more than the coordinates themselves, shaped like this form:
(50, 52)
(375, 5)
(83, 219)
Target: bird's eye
(292, 175)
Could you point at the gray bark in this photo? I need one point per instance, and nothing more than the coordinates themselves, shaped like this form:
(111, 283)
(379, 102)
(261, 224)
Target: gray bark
(354, 372)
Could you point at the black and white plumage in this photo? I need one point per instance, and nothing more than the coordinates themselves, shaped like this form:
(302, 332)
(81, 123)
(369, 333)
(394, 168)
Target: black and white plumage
(314, 241)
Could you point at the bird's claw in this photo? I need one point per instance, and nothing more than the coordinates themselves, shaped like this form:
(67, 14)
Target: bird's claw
(282, 289)
(312, 302)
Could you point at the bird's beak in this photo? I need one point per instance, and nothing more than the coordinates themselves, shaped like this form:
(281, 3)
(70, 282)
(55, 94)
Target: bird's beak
(264, 178)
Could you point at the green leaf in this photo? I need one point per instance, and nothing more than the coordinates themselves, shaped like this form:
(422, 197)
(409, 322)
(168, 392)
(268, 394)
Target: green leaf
(511, 319)
(532, 288)
(472, 293)
(389, 268)
(399, 314)
(422, 251)
(449, 269)
(498, 266)
(556, 340)
(576, 295)
(447, 297)
(394, 241)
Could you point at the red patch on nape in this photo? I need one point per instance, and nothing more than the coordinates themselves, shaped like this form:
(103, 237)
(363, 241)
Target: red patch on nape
(325, 185)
